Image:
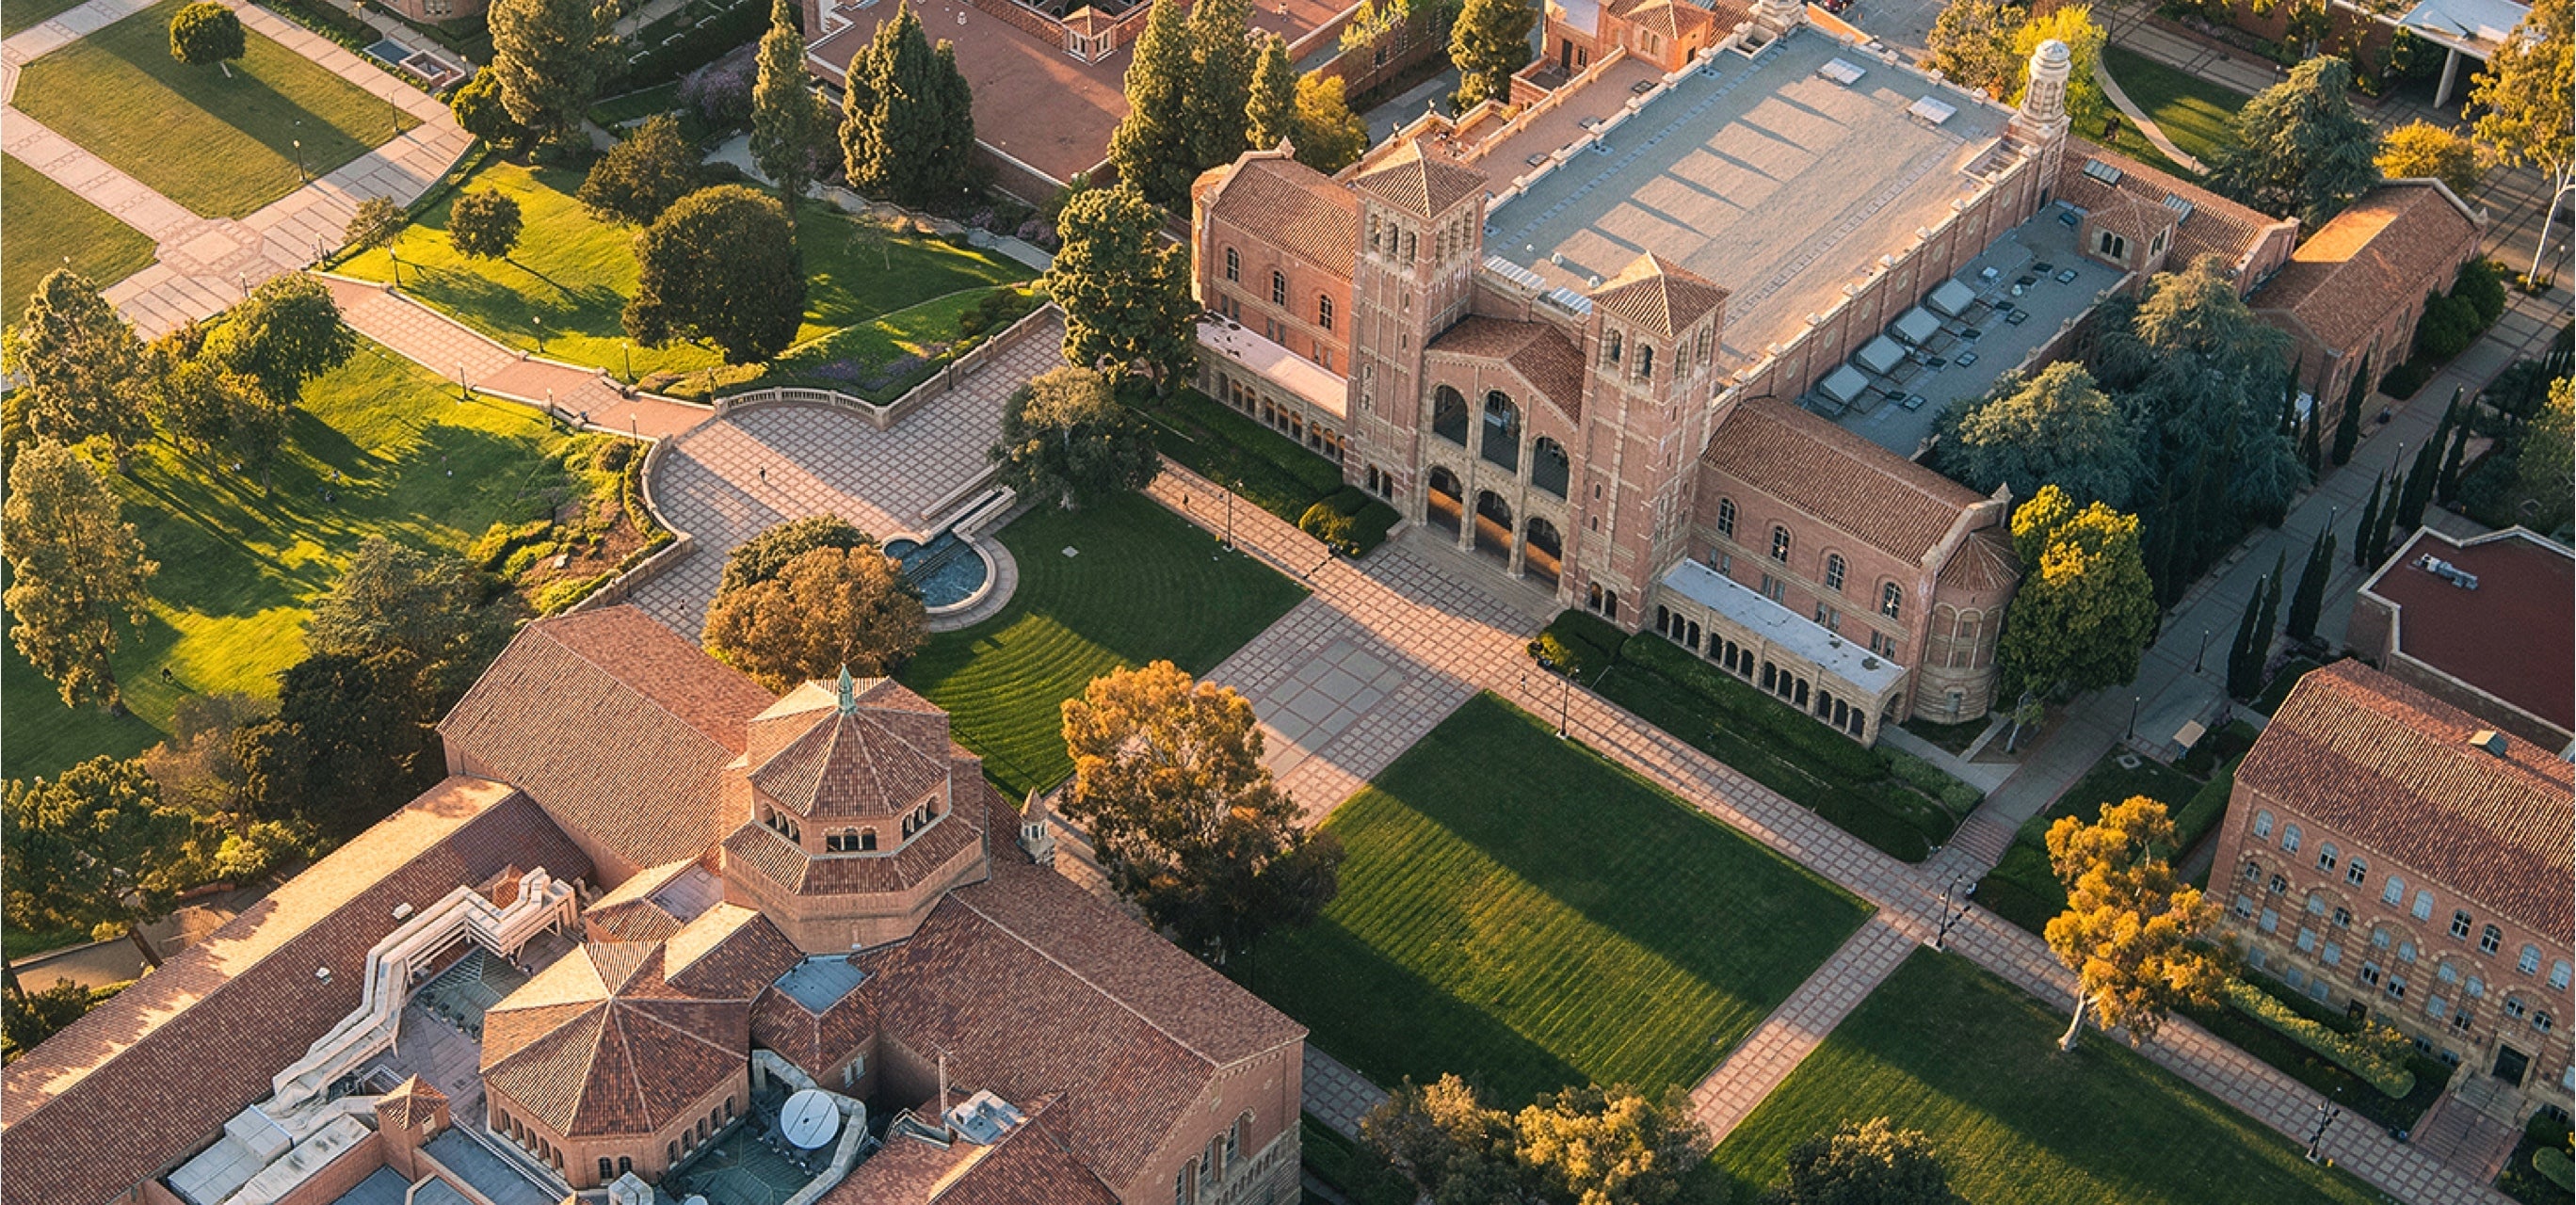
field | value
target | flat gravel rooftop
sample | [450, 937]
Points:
[1774, 181]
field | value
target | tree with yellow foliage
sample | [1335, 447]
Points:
[2132, 928]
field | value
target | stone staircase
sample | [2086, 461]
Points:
[2471, 1128]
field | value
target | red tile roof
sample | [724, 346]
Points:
[2513, 637]
[412, 1105]
[1837, 477]
[2217, 226]
[166, 1062]
[2367, 755]
[603, 1043]
[1657, 295]
[617, 726]
[1033, 1164]
[875, 761]
[1985, 564]
[1419, 182]
[754, 848]
[1540, 353]
[2381, 254]
[1303, 211]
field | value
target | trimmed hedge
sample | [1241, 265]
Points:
[2377, 1054]
[1268, 469]
[1341, 1164]
[1579, 643]
[1349, 521]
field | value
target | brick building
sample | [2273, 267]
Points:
[2354, 290]
[652, 907]
[2487, 625]
[2390, 853]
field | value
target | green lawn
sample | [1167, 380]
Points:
[2192, 111]
[2021, 888]
[48, 223]
[1947, 1049]
[1523, 912]
[1144, 585]
[20, 15]
[238, 570]
[223, 146]
[571, 275]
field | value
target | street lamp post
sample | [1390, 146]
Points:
[2204, 651]
[1564, 702]
[1229, 514]
[2134, 700]
[1949, 915]
[300, 178]
[2326, 1116]
[540, 321]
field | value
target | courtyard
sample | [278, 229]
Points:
[50, 227]
[1527, 914]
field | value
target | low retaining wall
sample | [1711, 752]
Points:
[886, 415]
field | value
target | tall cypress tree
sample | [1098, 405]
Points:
[2244, 669]
[2309, 602]
[2310, 449]
[2271, 620]
[2369, 521]
[1221, 42]
[1152, 149]
[2447, 486]
[954, 159]
[2419, 482]
[787, 120]
[2348, 425]
[1270, 113]
[2385, 527]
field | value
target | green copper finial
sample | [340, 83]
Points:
[849, 693]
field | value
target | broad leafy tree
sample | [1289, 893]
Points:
[759, 558]
[2073, 24]
[1329, 136]
[1581, 1146]
[1168, 781]
[1125, 292]
[484, 223]
[425, 608]
[1270, 114]
[2420, 149]
[80, 367]
[790, 128]
[2086, 608]
[206, 32]
[77, 573]
[1447, 1144]
[2299, 150]
[199, 401]
[1869, 1163]
[480, 111]
[2133, 930]
[827, 609]
[28, 1018]
[288, 332]
[2544, 468]
[349, 738]
[378, 223]
[96, 848]
[1489, 43]
[1972, 43]
[2524, 103]
[2057, 428]
[550, 59]
[1067, 440]
[642, 176]
[1155, 149]
[720, 266]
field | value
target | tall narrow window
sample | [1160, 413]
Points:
[1610, 347]
[1278, 288]
[1726, 516]
[1834, 572]
[1891, 601]
[1645, 361]
[1780, 544]
[1324, 312]
[1233, 265]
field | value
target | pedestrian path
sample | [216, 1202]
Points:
[1337, 1095]
[1793, 1030]
[2147, 126]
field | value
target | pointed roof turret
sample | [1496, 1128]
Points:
[1659, 296]
[1418, 182]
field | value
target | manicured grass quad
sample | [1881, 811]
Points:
[1947, 1049]
[571, 274]
[2192, 111]
[239, 572]
[48, 224]
[223, 146]
[1520, 911]
[18, 15]
[1142, 585]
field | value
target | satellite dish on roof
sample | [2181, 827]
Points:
[808, 1119]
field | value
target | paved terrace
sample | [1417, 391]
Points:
[1779, 184]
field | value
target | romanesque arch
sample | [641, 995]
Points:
[1449, 416]
[1501, 441]
[1550, 466]
[1441, 498]
[1493, 524]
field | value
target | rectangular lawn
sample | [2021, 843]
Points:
[1947, 1049]
[20, 15]
[571, 274]
[48, 223]
[1521, 911]
[1141, 584]
[223, 146]
[2193, 112]
[238, 571]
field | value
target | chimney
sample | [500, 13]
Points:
[2490, 740]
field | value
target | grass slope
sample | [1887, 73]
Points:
[1145, 585]
[1525, 913]
[571, 275]
[223, 146]
[1947, 1049]
[238, 571]
[2192, 111]
[49, 223]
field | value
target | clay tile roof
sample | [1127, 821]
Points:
[1157, 1025]
[1673, 20]
[1986, 565]
[1840, 478]
[1539, 352]
[2134, 218]
[754, 849]
[2389, 765]
[1417, 181]
[1656, 295]
[600, 1043]
[224, 1016]
[616, 725]
[2382, 253]
[1030, 1165]
[874, 761]
[2217, 226]
[411, 1105]
[729, 952]
[1302, 210]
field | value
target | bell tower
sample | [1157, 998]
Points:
[1652, 349]
[2041, 121]
[1422, 230]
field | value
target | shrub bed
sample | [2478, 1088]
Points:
[1579, 643]
[2316, 1069]
[1345, 1168]
[2539, 1171]
[1267, 468]
[2375, 1054]
[2022, 889]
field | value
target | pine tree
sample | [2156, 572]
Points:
[1488, 44]
[1329, 136]
[787, 119]
[2446, 488]
[2419, 482]
[1125, 293]
[903, 115]
[2309, 602]
[2386, 527]
[550, 58]
[2271, 620]
[77, 573]
[1221, 42]
[1271, 110]
[2244, 665]
[2348, 424]
[1152, 149]
[955, 154]
[80, 367]
[2369, 520]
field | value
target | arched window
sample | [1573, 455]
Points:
[2356, 870]
[1408, 246]
[1834, 568]
[1324, 312]
[1610, 347]
[2529, 963]
[2460, 923]
[607, 1170]
[1726, 517]
[1891, 601]
[2327, 856]
[2263, 825]
[1780, 544]
[2394, 891]
[1233, 265]
[1645, 361]
[2490, 939]
[1549, 466]
[1449, 415]
[2560, 974]
[2290, 839]
[625, 1164]
[867, 839]
[1240, 1134]
[1278, 287]
[1502, 441]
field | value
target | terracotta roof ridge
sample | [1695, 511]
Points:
[1087, 981]
[640, 693]
[646, 1014]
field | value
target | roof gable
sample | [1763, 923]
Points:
[1540, 353]
[1882, 499]
[1305, 212]
[2381, 254]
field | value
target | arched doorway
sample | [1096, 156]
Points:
[1449, 415]
[1542, 552]
[1441, 500]
[1549, 466]
[1494, 525]
[1502, 439]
